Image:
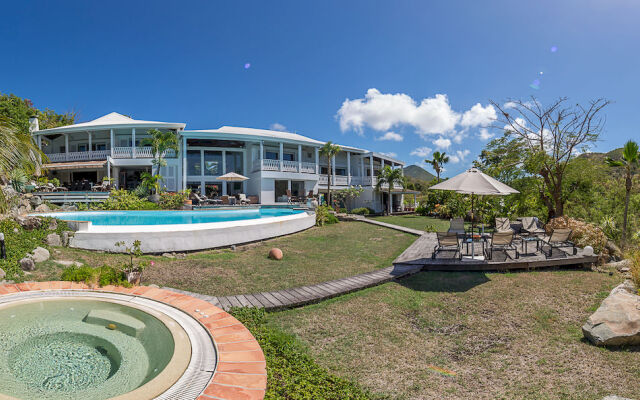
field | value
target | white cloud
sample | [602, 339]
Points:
[459, 156]
[485, 134]
[382, 111]
[457, 138]
[421, 151]
[509, 104]
[478, 116]
[442, 143]
[396, 137]
[278, 127]
[390, 154]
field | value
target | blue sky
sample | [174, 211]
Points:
[413, 68]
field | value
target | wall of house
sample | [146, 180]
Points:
[268, 191]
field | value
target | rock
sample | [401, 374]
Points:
[68, 207]
[2, 274]
[168, 255]
[43, 208]
[617, 321]
[27, 196]
[68, 263]
[66, 238]
[40, 254]
[614, 397]
[614, 250]
[53, 239]
[29, 223]
[619, 265]
[181, 255]
[9, 192]
[35, 201]
[275, 254]
[53, 224]
[27, 264]
[153, 285]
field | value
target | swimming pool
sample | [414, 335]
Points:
[172, 217]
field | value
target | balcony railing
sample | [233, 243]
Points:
[79, 156]
[287, 166]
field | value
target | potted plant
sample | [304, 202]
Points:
[133, 271]
[152, 182]
[187, 197]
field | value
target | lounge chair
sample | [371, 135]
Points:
[242, 198]
[530, 226]
[200, 200]
[447, 241]
[292, 199]
[456, 226]
[225, 200]
[501, 241]
[503, 225]
[559, 238]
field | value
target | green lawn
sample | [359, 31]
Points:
[507, 336]
[313, 256]
[415, 222]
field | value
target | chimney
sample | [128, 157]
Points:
[33, 124]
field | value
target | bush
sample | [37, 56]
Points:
[583, 233]
[422, 209]
[361, 211]
[291, 371]
[634, 268]
[102, 276]
[342, 210]
[172, 201]
[325, 216]
[121, 199]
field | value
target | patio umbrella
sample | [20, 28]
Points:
[473, 181]
[232, 177]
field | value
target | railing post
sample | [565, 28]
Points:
[111, 137]
[90, 148]
[317, 160]
[133, 142]
[299, 158]
[348, 168]
[371, 165]
[281, 154]
[66, 147]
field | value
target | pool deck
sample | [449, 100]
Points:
[241, 367]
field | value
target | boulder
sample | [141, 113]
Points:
[9, 192]
[614, 397]
[619, 265]
[66, 238]
[53, 224]
[168, 255]
[29, 223]
[275, 254]
[68, 263]
[68, 207]
[43, 208]
[53, 239]
[27, 264]
[35, 201]
[614, 250]
[40, 254]
[617, 321]
[2, 274]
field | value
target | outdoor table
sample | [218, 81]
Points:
[525, 240]
[472, 238]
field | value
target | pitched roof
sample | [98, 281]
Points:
[264, 133]
[113, 120]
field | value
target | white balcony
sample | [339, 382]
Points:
[79, 156]
[287, 166]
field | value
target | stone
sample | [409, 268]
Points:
[614, 397]
[9, 191]
[29, 223]
[181, 255]
[66, 238]
[53, 239]
[40, 254]
[27, 196]
[68, 207]
[153, 285]
[68, 263]
[43, 208]
[27, 264]
[617, 321]
[275, 254]
[2, 274]
[618, 265]
[35, 201]
[168, 255]
[614, 250]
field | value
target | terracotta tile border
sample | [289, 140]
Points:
[241, 371]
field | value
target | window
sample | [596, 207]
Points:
[341, 171]
[271, 155]
[289, 157]
[82, 147]
[193, 162]
[213, 163]
[234, 188]
[234, 162]
[99, 146]
[324, 170]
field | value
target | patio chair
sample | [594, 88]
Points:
[560, 237]
[501, 241]
[292, 199]
[200, 200]
[242, 198]
[530, 226]
[225, 200]
[447, 241]
[503, 225]
[456, 226]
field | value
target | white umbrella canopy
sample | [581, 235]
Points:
[232, 177]
[473, 181]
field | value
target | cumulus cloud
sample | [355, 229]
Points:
[390, 154]
[277, 127]
[485, 134]
[459, 156]
[421, 151]
[478, 116]
[396, 137]
[442, 143]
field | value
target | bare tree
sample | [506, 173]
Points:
[550, 137]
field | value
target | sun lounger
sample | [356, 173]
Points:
[503, 225]
[560, 237]
[447, 241]
[501, 241]
[530, 226]
[456, 226]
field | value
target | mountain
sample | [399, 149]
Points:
[416, 172]
[616, 154]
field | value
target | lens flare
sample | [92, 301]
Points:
[247, 66]
[535, 84]
[441, 371]
[554, 49]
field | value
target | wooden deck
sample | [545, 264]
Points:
[420, 252]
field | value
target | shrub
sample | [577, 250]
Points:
[102, 276]
[325, 216]
[583, 233]
[422, 209]
[634, 268]
[361, 211]
[342, 210]
[172, 201]
[291, 371]
[121, 199]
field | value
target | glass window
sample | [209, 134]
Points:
[193, 162]
[288, 157]
[99, 146]
[234, 162]
[271, 155]
[324, 170]
[341, 171]
[213, 190]
[234, 188]
[213, 163]
[82, 147]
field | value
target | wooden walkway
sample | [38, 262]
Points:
[391, 226]
[419, 254]
[299, 296]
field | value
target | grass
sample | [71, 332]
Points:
[313, 256]
[468, 335]
[415, 222]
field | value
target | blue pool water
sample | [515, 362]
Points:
[171, 217]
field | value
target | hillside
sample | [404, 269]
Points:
[416, 172]
[600, 157]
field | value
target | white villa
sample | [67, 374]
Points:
[274, 161]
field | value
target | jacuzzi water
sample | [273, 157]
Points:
[171, 217]
[64, 349]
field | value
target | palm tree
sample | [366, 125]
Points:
[151, 182]
[391, 177]
[329, 150]
[630, 160]
[438, 161]
[160, 143]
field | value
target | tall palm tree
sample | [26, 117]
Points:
[18, 150]
[630, 160]
[438, 161]
[391, 177]
[160, 142]
[329, 150]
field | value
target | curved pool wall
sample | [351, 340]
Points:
[180, 369]
[182, 230]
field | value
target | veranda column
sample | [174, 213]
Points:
[317, 160]
[299, 158]
[348, 168]
[66, 147]
[111, 137]
[224, 169]
[371, 166]
[362, 174]
[333, 171]
[133, 142]
[261, 153]
[281, 155]
[90, 148]
[184, 163]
